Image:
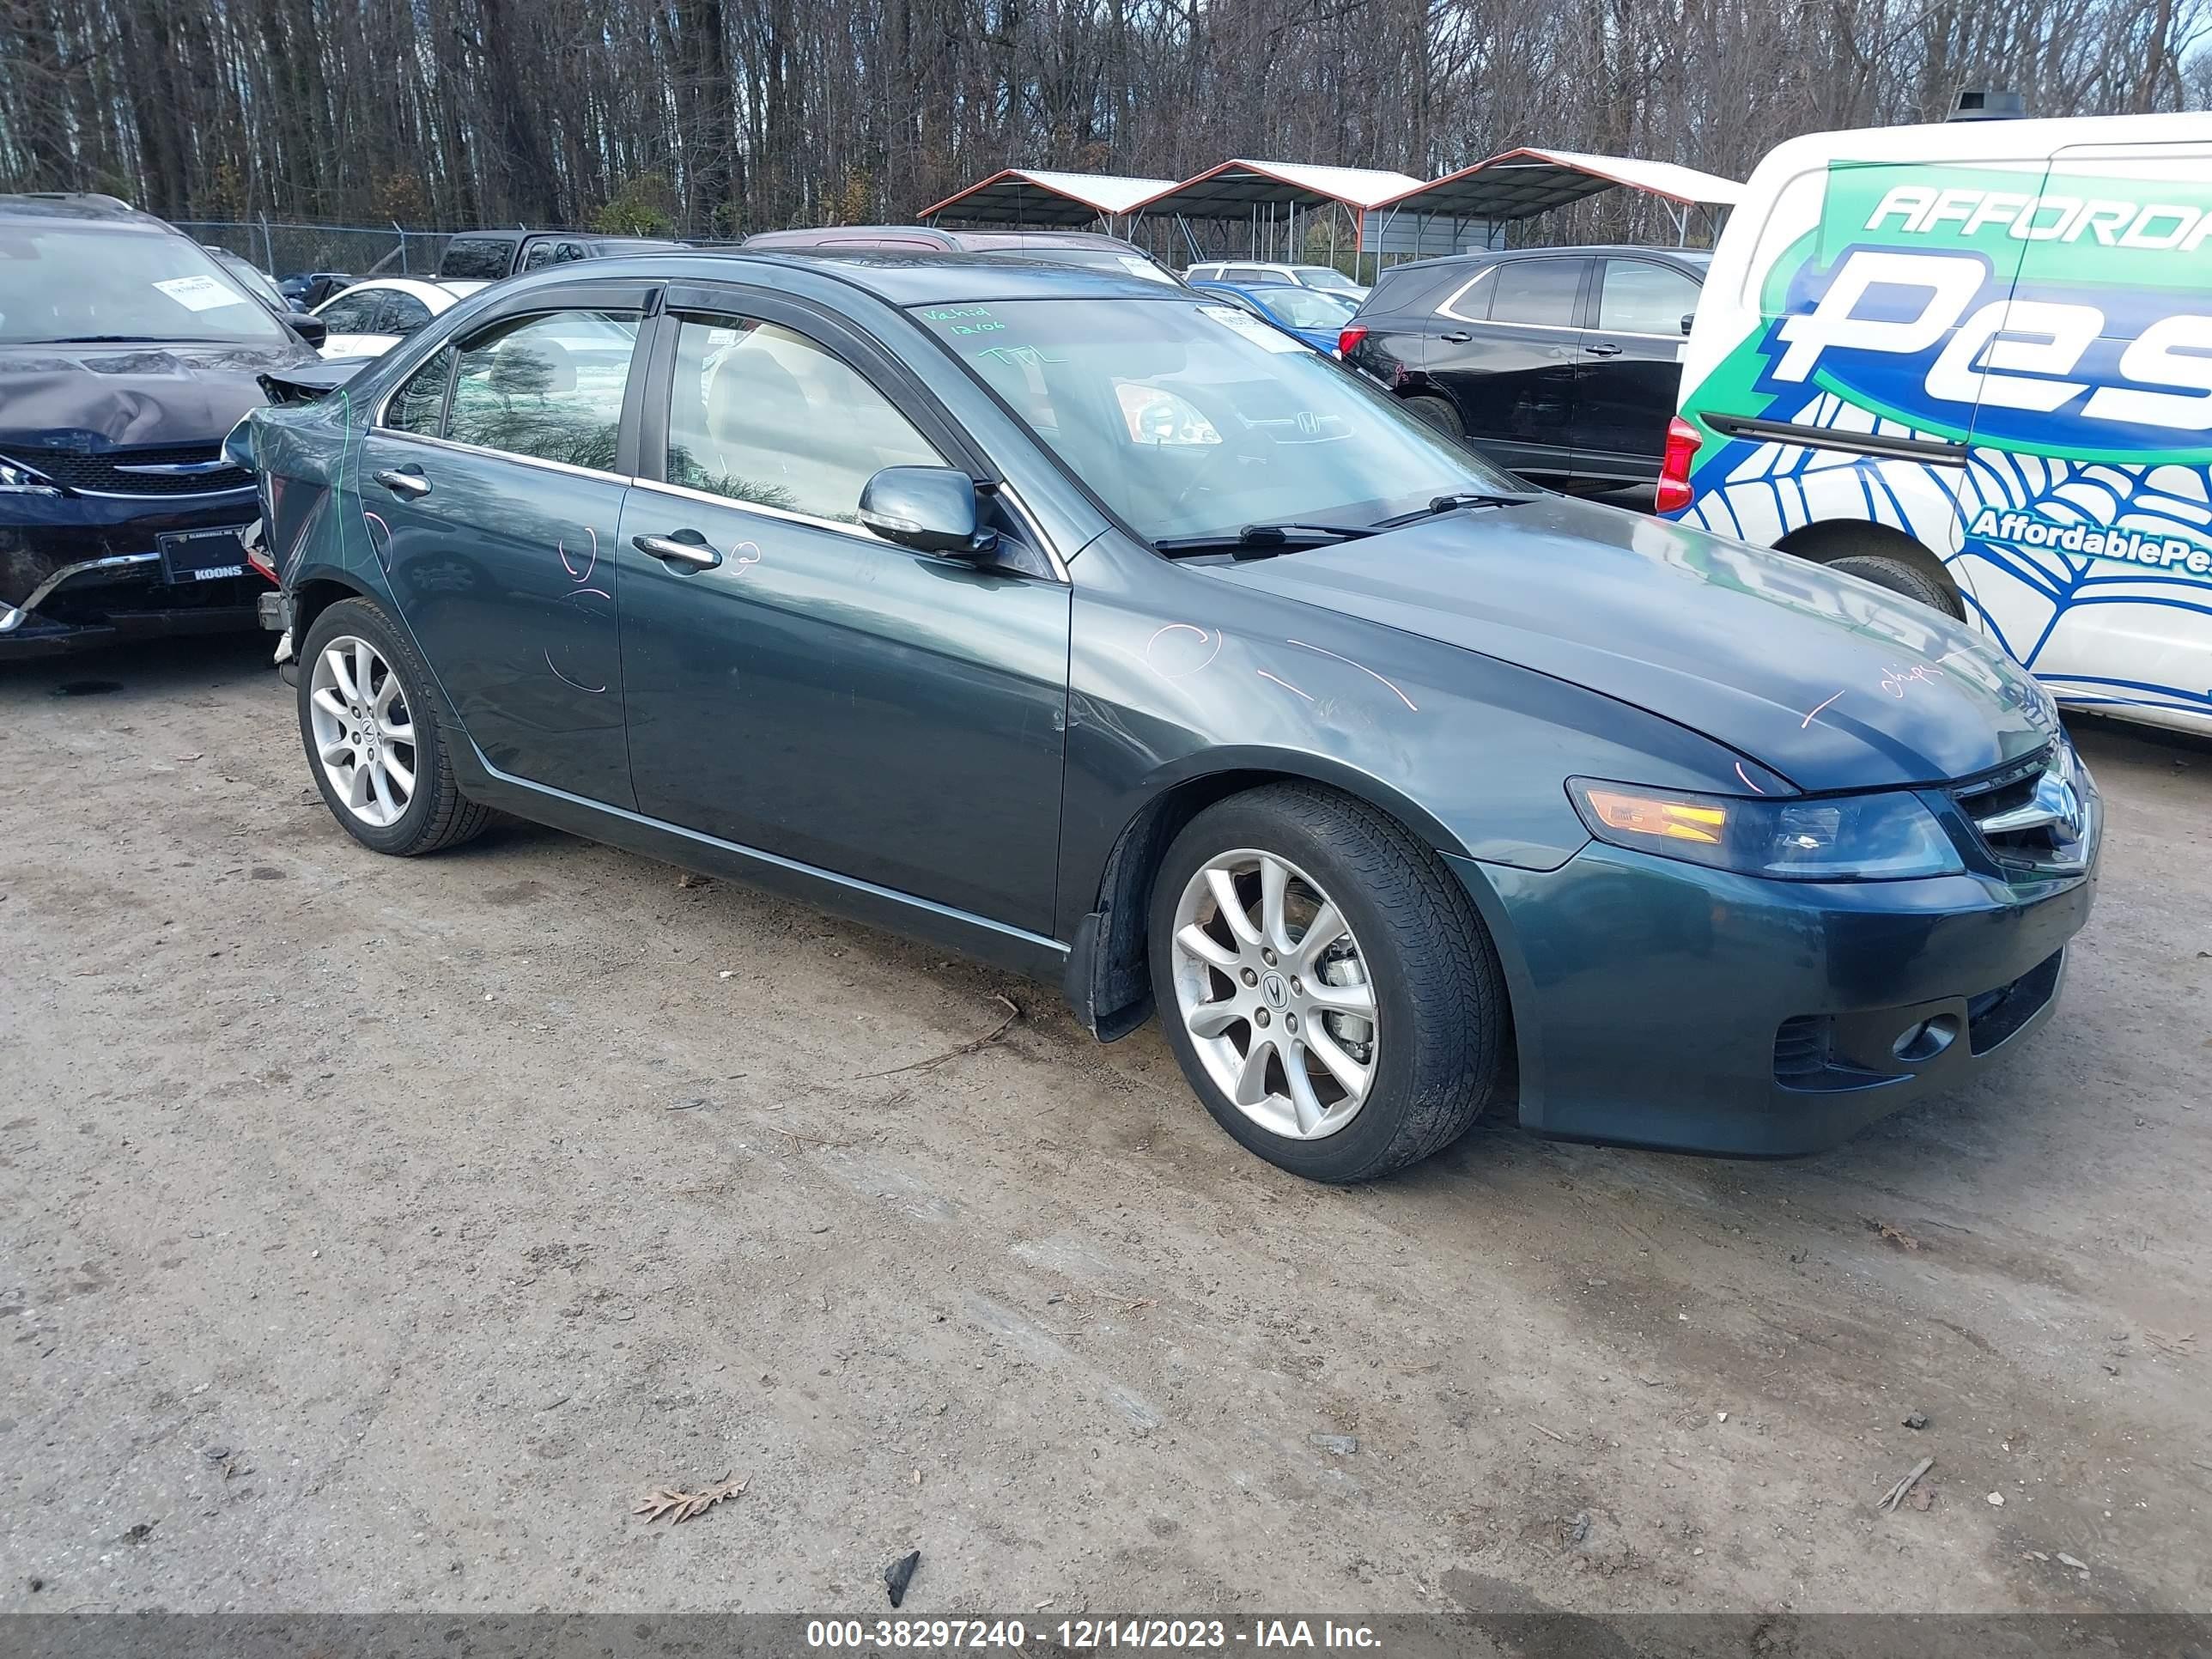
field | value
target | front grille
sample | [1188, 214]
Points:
[2030, 814]
[1800, 1048]
[2005, 790]
[74, 470]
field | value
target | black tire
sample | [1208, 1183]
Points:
[1438, 413]
[1442, 1018]
[437, 814]
[1903, 573]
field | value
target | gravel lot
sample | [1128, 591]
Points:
[377, 1233]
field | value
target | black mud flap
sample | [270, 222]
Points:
[1088, 974]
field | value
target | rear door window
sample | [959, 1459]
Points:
[351, 313]
[548, 386]
[403, 312]
[1640, 296]
[1538, 293]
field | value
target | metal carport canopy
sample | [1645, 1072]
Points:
[1233, 189]
[1018, 195]
[1523, 182]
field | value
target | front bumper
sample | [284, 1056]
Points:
[83, 571]
[1659, 1004]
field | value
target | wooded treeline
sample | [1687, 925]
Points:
[717, 117]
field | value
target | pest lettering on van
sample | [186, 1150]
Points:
[1929, 339]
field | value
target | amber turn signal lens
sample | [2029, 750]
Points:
[1652, 815]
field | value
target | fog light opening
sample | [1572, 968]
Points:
[1924, 1040]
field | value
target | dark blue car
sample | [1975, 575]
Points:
[1098, 629]
[127, 355]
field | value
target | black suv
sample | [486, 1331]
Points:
[1561, 363]
[127, 356]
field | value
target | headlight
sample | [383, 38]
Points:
[14, 477]
[1883, 837]
[238, 447]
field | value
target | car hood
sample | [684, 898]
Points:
[75, 396]
[1830, 681]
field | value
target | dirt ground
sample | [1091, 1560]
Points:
[374, 1234]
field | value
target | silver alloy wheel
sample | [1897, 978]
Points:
[1274, 992]
[364, 731]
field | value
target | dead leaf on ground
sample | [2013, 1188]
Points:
[679, 1506]
[1922, 1498]
[1896, 1236]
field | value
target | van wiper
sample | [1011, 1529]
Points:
[99, 339]
[1452, 503]
[1263, 541]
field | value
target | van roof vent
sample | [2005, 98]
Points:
[1985, 104]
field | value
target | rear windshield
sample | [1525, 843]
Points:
[64, 282]
[477, 258]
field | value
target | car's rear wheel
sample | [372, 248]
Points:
[1438, 413]
[1894, 563]
[1328, 990]
[373, 738]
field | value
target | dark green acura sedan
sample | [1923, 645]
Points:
[1104, 632]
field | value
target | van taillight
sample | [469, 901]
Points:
[1349, 338]
[1682, 441]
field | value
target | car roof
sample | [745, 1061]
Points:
[1006, 239]
[422, 287]
[83, 207]
[901, 279]
[1695, 256]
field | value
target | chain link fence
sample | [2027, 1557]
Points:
[282, 247]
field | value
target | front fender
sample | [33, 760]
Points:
[1177, 677]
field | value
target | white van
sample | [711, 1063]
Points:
[1973, 363]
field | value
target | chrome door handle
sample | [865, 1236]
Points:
[1604, 349]
[670, 551]
[400, 481]
[1457, 336]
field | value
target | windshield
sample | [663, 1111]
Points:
[255, 283]
[1306, 307]
[64, 282]
[1325, 277]
[1189, 419]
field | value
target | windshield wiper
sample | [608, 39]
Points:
[1262, 541]
[99, 339]
[1452, 503]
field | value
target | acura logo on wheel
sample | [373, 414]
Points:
[1278, 993]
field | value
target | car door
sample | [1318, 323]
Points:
[1631, 369]
[1506, 352]
[351, 320]
[799, 685]
[495, 519]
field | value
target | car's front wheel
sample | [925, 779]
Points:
[1328, 990]
[372, 738]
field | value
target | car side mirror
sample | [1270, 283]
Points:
[1688, 317]
[930, 509]
[311, 330]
